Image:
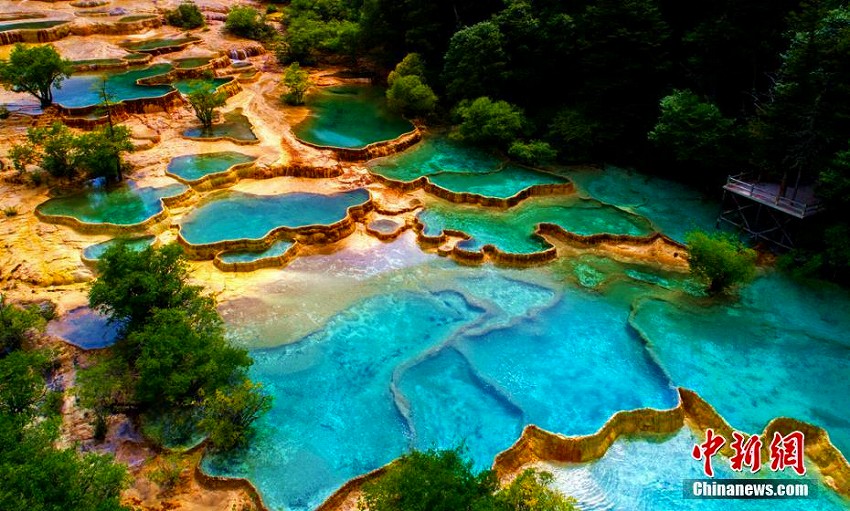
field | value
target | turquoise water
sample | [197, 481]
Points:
[277, 248]
[235, 215]
[430, 354]
[782, 350]
[124, 205]
[645, 475]
[435, 368]
[433, 155]
[672, 207]
[350, 116]
[512, 230]
[30, 25]
[504, 183]
[235, 125]
[186, 87]
[192, 167]
[83, 90]
[460, 168]
[93, 252]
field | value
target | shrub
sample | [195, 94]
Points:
[186, 15]
[721, 259]
[229, 413]
[297, 81]
[488, 122]
[205, 99]
[15, 322]
[532, 152]
[408, 92]
[247, 22]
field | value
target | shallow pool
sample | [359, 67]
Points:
[231, 215]
[350, 116]
[83, 90]
[512, 230]
[125, 204]
[192, 167]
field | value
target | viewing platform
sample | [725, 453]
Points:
[766, 211]
[800, 202]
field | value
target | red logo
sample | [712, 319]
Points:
[785, 452]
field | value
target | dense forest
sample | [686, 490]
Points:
[695, 91]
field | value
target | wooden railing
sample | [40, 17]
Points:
[771, 197]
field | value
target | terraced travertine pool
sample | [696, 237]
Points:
[381, 347]
[123, 205]
[462, 169]
[350, 116]
[235, 215]
[193, 167]
[81, 90]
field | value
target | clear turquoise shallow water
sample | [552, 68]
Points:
[233, 215]
[782, 350]
[192, 167]
[123, 205]
[646, 475]
[512, 230]
[82, 90]
[234, 125]
[94, 252]
[350, 116]
[278, 248]
[460, 168]
[672, 207]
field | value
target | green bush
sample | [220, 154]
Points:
[444, 481]
[720, 259]
[204, 100]
[15, 323]
[408, 93]
[245, 21]
[186, 15]
[487, 122]
[297, 81]
[533, 152]
[228, 414]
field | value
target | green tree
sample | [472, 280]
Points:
[429, 481]
[35, 70]
[33, 473]
[533, 152]
[57, 147]
[182, 358]
[204, 100]
[229, 413]
[327, 26]
[575, 134]
[245, 21]
[186, 15]
[22, 384]
[488, 122]
[694, 133]
[530, 491]
[720, 259]
[100, 151]
[297, 81]
[131, 285]
[475, 62]
[408, 93]
[15, 323]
